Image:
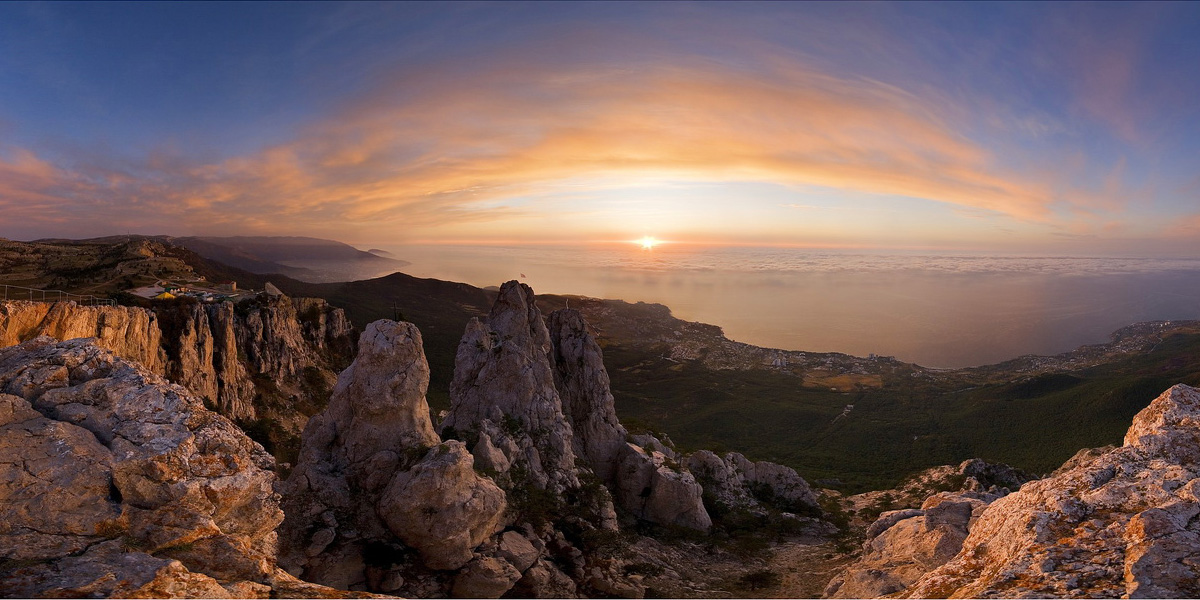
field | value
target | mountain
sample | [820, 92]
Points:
[303, 258]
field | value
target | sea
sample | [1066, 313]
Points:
[942, 310]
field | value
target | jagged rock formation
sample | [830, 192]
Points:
[1115, 523]
[740, 483]
[644, 479]
[584, 389]
[115, 482]
[503, 393]
[373, 475]
[130, 333]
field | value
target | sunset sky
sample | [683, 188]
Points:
[1025, 128]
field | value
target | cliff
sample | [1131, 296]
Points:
[268, 363]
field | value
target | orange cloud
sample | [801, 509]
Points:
[445, 146]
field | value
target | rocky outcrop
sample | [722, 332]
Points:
[1115, 523]
[235, 391]
[115, 482]
[373, 476]
[740, 483]
[503, 392]
[376, 425]
[444, 510]
[584, 388]
[130, 333]
[903, 545]
[326, 328]
[657, 492]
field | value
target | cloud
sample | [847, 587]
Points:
[454, 142]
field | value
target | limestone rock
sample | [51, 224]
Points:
[104, 453]
[442, 508]
[654, 491]
[517, 550]
[584, 387]
[131, 333]
[741, 483]
[503, 386]
[235, 391]
[544, 580]
[109, 570]
[485, 577]
[904, 545]
[1120, 524]
[376, 424]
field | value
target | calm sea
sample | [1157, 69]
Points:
[938, 310]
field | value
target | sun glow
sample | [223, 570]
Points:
[647, 242]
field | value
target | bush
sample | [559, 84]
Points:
[759, 580]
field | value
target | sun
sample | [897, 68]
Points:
[648, 242]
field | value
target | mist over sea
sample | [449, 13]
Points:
[937, 310]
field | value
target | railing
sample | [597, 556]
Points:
[16, 292]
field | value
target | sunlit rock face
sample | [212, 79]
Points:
[115, 482]
[1116, 523]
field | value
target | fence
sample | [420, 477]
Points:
[16, 292]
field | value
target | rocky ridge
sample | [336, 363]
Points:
[1116, 522]
[514, 499]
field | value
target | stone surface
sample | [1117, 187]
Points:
[903, 545]
[442, 508]
[485, 577]
[654, 491]
[584, 387]
[131, 333]
[116, 482]
[1121, 523]
[503, 386]
[375, 426]
[741, 483]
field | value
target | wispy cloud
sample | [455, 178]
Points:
[449, 143]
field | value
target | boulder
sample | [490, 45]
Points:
[485, 577]
[656, 492]
[442, 508]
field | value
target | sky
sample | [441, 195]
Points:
[1020, 128]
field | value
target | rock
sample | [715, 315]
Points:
[376, 425]
[517, 550]
[1120, 524]
[903, 545]
[584, 387]
[739, 482]
[544, 580]
[503, 386]
[235, 391]
[130, 333]
[442, 508]
[654, 491]
[108, 570]
[485, 577]
[113, 472]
